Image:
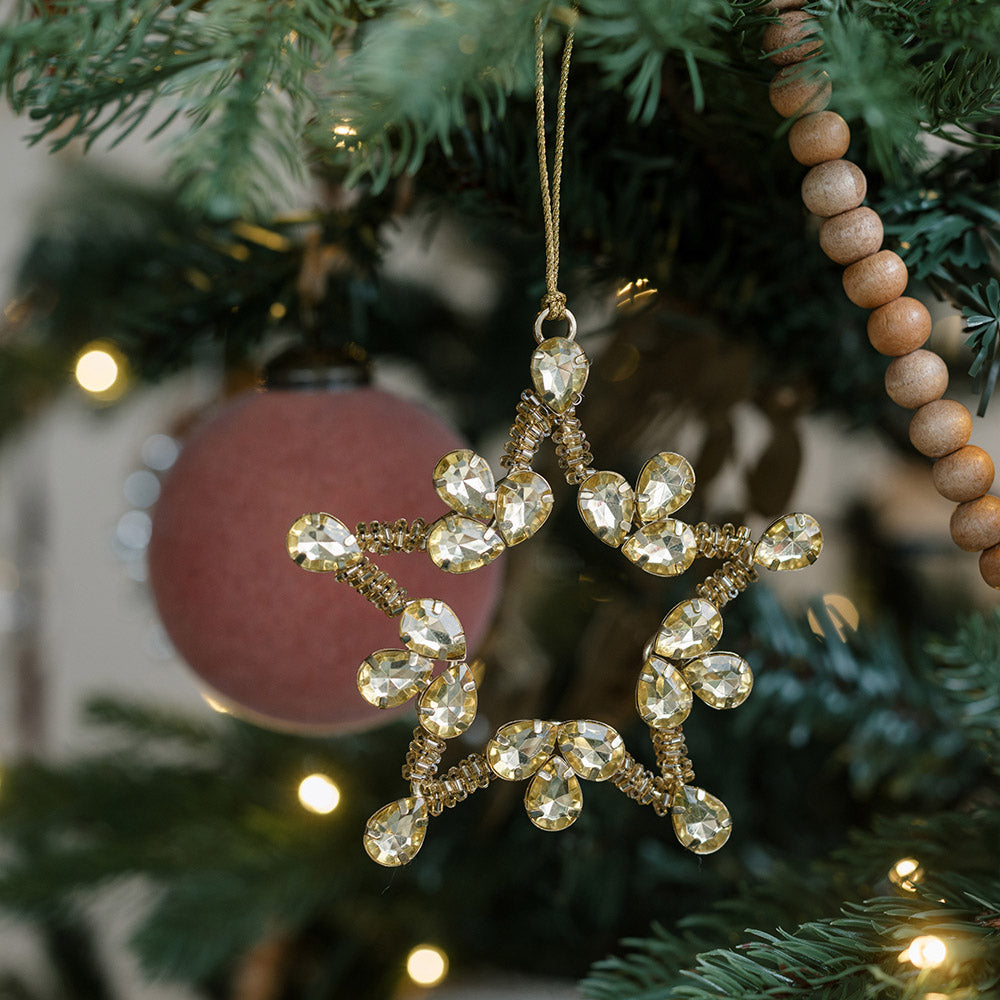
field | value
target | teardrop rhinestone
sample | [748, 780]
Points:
[792, 542]
[520, 748]
[722, 680]
[429, 627]
[662, 695]
[553, 799]
[663, 548]
[701, 821]
[459, 544]
[689, 629]
[396, 832]
[524, 501]
[606, 504]
[464, 481]
[559, 370]
[449, 704]
[665, 485]
[320, 543]
[592, 749]
[389, 677]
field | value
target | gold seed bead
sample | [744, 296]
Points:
[900, 326]
[963, 475]
[940, 427]
[399, 536]
[916, 378]
[728, 581]
[456, 784]
[787, 41]
[375, 586]
[532, 425]
[642, 786]
[819, 137]
[794, 92]
[989, 566]
[975, 525]
[572, 449]
[848, 237]
[423, 756]
[876, 280]
[671, 756]
[833, 187]
[721, 541]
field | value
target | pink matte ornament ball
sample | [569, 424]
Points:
[282, 646]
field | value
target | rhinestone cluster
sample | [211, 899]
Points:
[680, 661]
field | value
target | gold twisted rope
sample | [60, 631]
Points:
[456, 784]
[671, 756]
[554, 301]
[572, 448]
[642, 786]
[728, 581]
[423, 756]
[721, 541]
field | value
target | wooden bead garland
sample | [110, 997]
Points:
[916, 378]
[874, 278]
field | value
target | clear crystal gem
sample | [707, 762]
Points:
[448, 705]
[593, 749]
[722, 680]
[429, 627]
[464, 481]
[689, 629]
[391, 676]
[553, 799]
[606, 504]
[792, 542]
[559, 370]
[520, 748]
[320, 543]
[665, 484]
[395, 833]
[460, 544]
[702, 823]
[662, 695]
[663, 548]
[524, 501]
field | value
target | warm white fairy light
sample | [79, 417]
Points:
[319, 794]
[427, 965]
[925, 952]
[906, 873]
[96, 370]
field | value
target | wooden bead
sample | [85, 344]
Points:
[900, 326]
[916, 378]
[963, 475]
[875, 280]
[989, 566]
[819, 137]
[940, 427]
[851, 235]
[976, 525]
[833, 187]
[787, 41]
[795, 91]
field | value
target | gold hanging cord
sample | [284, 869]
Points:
[554, 300]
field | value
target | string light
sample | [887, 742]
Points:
[100, 370]
[906, 873]
[925, 952]
[427, 965]
[318, 794]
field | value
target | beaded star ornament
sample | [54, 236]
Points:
[680, 660]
